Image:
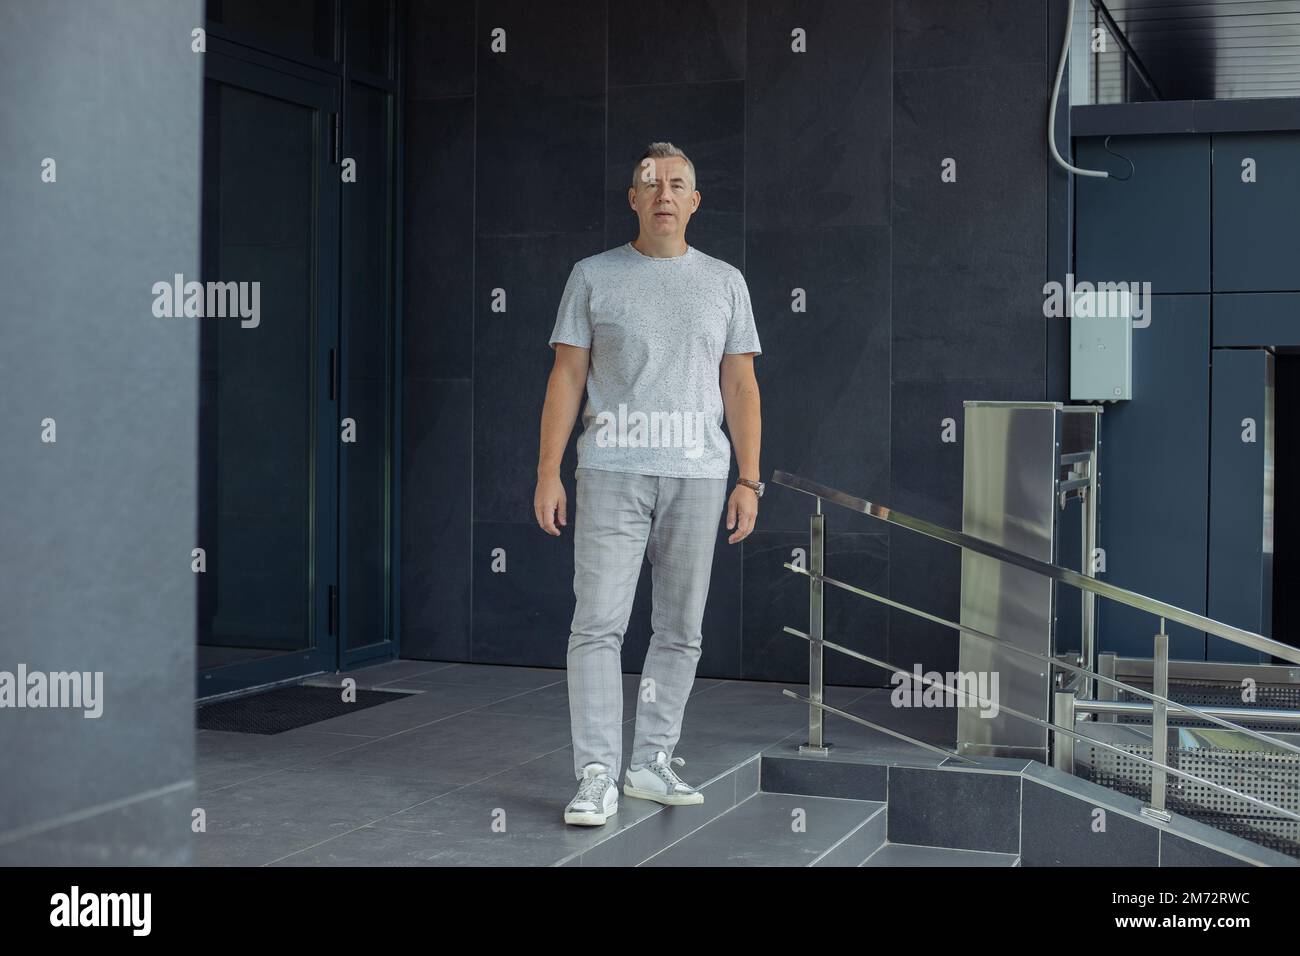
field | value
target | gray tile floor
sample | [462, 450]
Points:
[475, 766]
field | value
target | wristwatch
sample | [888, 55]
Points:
[758, 486]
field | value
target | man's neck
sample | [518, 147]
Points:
[665, 248]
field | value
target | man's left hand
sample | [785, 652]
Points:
[742, 507]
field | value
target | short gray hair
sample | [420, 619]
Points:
[662, 151]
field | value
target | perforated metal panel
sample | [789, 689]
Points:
[1214, 754]
[1236, 769]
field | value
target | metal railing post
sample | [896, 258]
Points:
[1159, 725]
[1088, 611]
[1063, 745]
[1105, 691]
[816, 677]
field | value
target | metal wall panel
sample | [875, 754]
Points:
[1009, 498]
[1241, 499]
[1255, 221]
[1154, 472]
[1153, 226]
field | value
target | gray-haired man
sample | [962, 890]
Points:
[663, 339]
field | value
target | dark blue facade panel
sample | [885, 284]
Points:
[1241, 547]
[1256, 208]
[1155, 480]
[1154, 225]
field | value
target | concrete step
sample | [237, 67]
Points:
[911, 854]
[782, 829]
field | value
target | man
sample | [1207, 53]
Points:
[663, 339]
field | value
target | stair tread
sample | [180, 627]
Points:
[911, 854]
[759, 832]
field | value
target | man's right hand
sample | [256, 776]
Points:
[549, 504]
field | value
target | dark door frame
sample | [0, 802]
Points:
[321, 94]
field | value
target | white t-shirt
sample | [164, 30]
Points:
[657, 329]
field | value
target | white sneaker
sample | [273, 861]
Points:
[657, 781]
[596, 800]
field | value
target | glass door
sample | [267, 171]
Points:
[267, 597]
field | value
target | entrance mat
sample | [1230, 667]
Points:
[285, 708]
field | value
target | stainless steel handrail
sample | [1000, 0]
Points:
[1160, 703]
[1080, 705]
[1272, 715]
[1172, 612]
[1200, 713]
[1156, 766]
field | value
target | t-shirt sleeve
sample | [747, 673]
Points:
[573, 320]
[742, 333]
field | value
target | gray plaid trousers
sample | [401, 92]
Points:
[620, 518]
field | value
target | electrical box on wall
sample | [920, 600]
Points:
[1101, 346]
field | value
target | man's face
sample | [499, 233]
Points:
[664, 196]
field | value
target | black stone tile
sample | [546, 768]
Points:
[966, 810]
[708, 41]
[1060, 829]
[824, 372]
[540, 119]
[436, 532]
[930, 34]
[818, 122]
[554, 48]
[440, 46]
[437, 643]
[522, 614]
[1175, 851]
[926, 480]
[823, 778]
[437, 304]
[926, 432]
[969, 256]
[538, 165]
